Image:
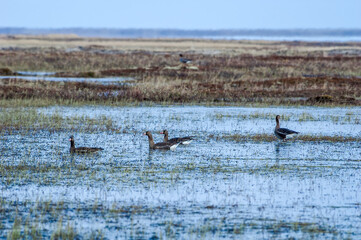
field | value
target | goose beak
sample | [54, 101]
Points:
[161, 132]
[144, 134]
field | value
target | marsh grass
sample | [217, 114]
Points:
[272, 138]
[73, 174]
[25, 119]
[274, 77]
[275, 228]
[47, 216]
[38, 223]
[64, 232]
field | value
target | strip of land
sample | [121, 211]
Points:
[222, 72]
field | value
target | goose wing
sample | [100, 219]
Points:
[174, 140]
[285, 131]
[166, 145]
[181, 139]
[188, 138]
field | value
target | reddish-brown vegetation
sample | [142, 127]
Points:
[158, 77]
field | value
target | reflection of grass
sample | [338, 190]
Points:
[271, 138]
[273, 227]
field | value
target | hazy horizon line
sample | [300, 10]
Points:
[184, 33]
[187, 29]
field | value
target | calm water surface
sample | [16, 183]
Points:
[48, 76]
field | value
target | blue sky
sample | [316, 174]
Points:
[182, 14]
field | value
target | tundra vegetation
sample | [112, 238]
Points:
[222, 72]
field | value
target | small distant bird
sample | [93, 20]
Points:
[282, 133]
[184, 60]
[73, 149]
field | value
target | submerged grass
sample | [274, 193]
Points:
[272, 138]
[66, 172]
[25, 119]
[348, 118]
[64, 219]
[273, 227]
[67, 232]
[37, 223]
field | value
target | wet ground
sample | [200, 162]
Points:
[212, 188]
[49, 76]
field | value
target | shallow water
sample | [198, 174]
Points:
[212, 188]
[201, 120]
[47, 76]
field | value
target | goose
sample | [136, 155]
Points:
[182, 140]
[161, 145]
[282, 133]
[184, 60]
[73, 149]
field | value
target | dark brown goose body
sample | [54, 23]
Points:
[282, 133]
[182, 140]
[81, 150]
[161, 145]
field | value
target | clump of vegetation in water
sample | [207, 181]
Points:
[271, 138]
[20, 119]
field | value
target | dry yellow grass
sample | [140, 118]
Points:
[229, 47]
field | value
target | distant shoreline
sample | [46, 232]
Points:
[226, 34]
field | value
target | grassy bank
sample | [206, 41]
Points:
[17, 92]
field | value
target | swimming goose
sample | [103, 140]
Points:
[282, 133]
[73, 149]
[161, 145]
[182, 140]
[184, 60]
